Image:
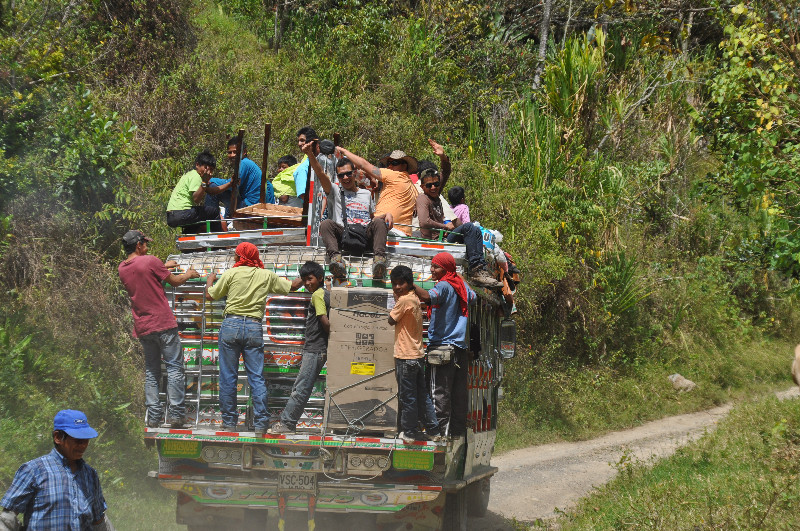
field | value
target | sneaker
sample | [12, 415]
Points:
[407, 439]
[481, 277]
[337, 267]
[179, 424]
[153, 423]
[279, 428]
[438, 438]
[379, 268]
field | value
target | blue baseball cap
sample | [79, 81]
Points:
[74, 423]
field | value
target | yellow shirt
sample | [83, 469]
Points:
[408, 330]
[398, 197]
[247, 289]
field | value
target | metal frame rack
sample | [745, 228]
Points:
[199, 320]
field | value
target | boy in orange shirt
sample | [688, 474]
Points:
[415, 403]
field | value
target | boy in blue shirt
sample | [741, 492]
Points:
[249, 183]
[448, 304]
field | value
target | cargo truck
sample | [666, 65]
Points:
[345, 461]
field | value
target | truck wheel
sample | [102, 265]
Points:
[455, 511]
[478, 497]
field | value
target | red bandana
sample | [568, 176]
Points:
[448, 263]
[248, 256]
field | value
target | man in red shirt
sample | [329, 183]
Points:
[155, 326]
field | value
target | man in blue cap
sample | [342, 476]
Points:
[58, 491]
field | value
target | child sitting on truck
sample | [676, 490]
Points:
[412, 392]
[315, 350]
[456, 197]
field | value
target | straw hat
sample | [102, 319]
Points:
[401, 155]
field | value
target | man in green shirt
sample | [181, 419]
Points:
[247, 285]
[185, 208]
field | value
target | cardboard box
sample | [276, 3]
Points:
[361, 360]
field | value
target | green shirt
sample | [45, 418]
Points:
[181, 198]
[247, 289]
[283, 183]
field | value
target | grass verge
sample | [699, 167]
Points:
[545, 404]
[743, 475]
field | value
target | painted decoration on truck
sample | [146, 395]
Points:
[382, 499]
[185, 449]
[404, 460]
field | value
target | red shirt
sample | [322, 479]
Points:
[142, 277]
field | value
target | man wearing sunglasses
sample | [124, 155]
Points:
[430, 212]
[58, 490]
[398, 197]
[359, 208]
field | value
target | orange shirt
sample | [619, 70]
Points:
[398, 197]
[408, 330]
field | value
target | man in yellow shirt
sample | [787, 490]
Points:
[247, 285]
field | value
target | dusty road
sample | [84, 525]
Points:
[532, 482]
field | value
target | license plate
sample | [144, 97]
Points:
[297, 482]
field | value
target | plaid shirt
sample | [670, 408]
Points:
[53, 498]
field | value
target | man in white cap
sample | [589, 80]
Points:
[58, 491]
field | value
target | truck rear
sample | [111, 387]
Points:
[346, 457]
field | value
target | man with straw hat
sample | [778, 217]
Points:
[58, 490]
[398, 197]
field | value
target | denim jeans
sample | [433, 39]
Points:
[224, 198]
[310, 368]
[164, 345]
[472, 237]
[412, 393]
[241, 335]
[449, 387]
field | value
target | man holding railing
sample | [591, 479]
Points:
[246, 286]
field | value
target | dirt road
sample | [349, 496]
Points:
[532, 482]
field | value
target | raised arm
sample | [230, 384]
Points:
[324, 180]
[360, 163]
[444, 161]
[178, 280]
[423, 294]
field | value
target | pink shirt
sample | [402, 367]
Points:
[142, 278]
[462, 212]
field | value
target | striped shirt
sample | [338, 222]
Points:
[54, 498]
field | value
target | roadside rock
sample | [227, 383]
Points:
[679, 383]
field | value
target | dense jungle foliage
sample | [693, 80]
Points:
[644, 174]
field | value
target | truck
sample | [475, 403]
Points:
[345, 464]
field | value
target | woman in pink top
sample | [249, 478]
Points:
[456, 197]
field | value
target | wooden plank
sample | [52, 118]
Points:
[235, 180]
[264, 163]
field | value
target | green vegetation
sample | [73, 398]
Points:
[743, 475]
[647, 190]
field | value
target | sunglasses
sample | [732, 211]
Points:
[395, 162]
[432, 185]
[346, 173]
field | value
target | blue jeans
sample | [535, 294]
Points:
[310, 368]
[472, 237]
[166, 345]
[224, 198]
[415, 402]
[242, 335]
